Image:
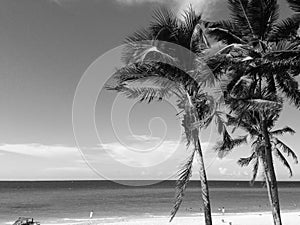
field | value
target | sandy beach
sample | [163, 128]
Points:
[288, 218]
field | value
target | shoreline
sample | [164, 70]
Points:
[249, 218]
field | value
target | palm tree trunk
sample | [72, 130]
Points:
[271, 176]
[204, 186]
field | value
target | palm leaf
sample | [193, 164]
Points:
[187, 28]
[227, 143]
[254, 170]
[262, 15]
[239, 15]
[246, 161]
[225, 31]
[295, 5]
[283, 131]
[144, 94]
[164, 24]
[240, 105]
[289, 86]
[258, 104]
[199, 41]
[283, 160]
[286, 149]
[286, 29]
[186, 123]
[184, 176]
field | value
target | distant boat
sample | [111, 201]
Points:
[25, 221]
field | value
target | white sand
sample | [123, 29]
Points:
[290, 218]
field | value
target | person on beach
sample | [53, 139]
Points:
[91, 216]
[223, 211]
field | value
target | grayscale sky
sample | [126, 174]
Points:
[46, 47]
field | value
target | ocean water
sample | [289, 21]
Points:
[69, 202]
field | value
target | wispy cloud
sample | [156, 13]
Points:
[146, 138]
[141, 154]
[139, 1]
[39, 161]
[39, 150]
[204, 6]
[61, 2]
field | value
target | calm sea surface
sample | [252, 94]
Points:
[68, 202]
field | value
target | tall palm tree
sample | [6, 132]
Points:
[264, 54]
[176, 73]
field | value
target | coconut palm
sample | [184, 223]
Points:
[264, 54]
[156, 69]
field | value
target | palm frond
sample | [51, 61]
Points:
[235, 49]
[254, 170]
[152, 53]
[244, 121]
[188, 121]
[225, 31]
[164, 25]
[286, 149]
[138, 36]
[239, 15]
[184, 176]
[258, 104]
[240, 105]
[295, 5]
[290, 87]
[283, 160]
[246, 161]
[286, 29]
[283, 131]
[262, 15]
[187, 28]
[141, 70]
[144, 94]
[199, 41]
[228, 143]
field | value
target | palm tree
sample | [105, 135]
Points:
[176, 73]
[262, 53]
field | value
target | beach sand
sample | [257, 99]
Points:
[290, 218]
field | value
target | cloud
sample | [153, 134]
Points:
[138, 1]
[146, 138]
[35, 161]
[39, 150]
[58, 2]
[204, 6]
[142, 154]
[62, 2]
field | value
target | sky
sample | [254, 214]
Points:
[47, 46]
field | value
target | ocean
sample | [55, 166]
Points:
[70, 202]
